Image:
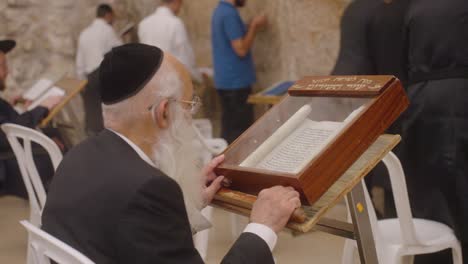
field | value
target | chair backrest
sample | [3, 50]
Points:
[25, 159]
[400, 196]
[44, 247]
[400, 193]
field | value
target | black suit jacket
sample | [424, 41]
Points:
[10, 176]
[28, 119]
[108, 203]
[372, 39]
[354, 57]
[386, 39]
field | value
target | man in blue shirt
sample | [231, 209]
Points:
[234, 69]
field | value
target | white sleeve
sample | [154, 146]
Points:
[264, 232]
[184, 50]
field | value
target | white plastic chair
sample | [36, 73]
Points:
[24, 157]
[399, 240]
[45, 247]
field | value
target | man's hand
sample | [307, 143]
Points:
[51, 102]
[259, 21]
[274, 207]
[243, 45]
[212, 181]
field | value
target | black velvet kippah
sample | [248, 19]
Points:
[125, 70]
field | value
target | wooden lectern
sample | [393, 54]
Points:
[321, 139]
[345, 116]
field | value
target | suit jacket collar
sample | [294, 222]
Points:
[137, 149]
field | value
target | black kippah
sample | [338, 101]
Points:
[125, 70]
[7, 45]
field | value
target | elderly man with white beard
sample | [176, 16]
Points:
[133, 193]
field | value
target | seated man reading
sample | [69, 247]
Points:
[133, 193]
[10, 177]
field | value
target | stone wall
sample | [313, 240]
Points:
[46, 32]
[302, 37]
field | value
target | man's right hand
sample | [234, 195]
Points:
[260, 21]
[51, 102]
[274, 207]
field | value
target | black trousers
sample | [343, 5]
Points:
[237, 114]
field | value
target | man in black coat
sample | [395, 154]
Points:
[10, 176]
[434, 137]
[133, 193]
[386, 38]
[372, 43]
[354, 57]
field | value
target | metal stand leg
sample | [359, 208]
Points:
[362, 225]
[360, 230]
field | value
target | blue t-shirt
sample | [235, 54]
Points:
[230, 71]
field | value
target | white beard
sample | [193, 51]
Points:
[176, 155]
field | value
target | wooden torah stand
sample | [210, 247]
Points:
[314, 134]
[322, 139]
[307, 217]
[349, 184]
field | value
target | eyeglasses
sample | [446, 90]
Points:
[193, 106]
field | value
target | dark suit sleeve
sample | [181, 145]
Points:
[249, 248]
[155, 229]
[28, 119]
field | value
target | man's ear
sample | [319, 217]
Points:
[162, 114]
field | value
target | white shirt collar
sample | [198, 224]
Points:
[164, 10]
[137, 149]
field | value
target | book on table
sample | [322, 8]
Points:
[40, 91]
[64, 86]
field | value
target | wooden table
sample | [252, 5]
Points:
[271, 95]
[260, 98]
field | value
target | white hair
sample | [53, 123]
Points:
[176, 155]
[165, 84]
[173, 152]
